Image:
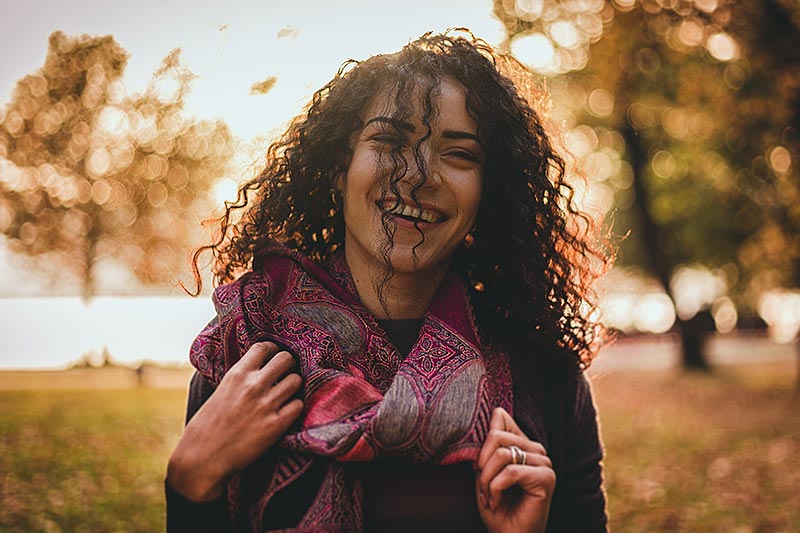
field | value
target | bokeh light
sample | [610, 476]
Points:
[535, 50]
[780, 309]
[722, 47]
[654, 313]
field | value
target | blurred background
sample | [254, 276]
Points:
[124, 126]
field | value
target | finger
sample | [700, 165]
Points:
[503, 457]
[271, 427]
[498, 438]
[280, 365]
[536, 481]
[504, 421]
[257, 356]
[285, 388]
[290, 412]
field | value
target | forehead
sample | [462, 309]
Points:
[448, 99]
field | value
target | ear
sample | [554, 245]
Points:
[338, 182]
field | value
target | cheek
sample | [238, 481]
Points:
[361, 175]
[470, 194]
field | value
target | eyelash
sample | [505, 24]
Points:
[387, 138]
[393, 139]
[463, 154]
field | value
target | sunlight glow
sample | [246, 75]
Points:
[722, 46]
[781, 311]
[225, 191]
[725, 314]
[695, 289]
[780, 159]
[654, 313]
[564, 33]
[535, 50]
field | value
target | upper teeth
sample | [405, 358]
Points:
[414, 212]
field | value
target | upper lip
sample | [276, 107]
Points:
[422, 210]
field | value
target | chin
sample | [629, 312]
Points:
[404, 261]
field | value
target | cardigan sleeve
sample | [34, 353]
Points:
[583, 497]
[184, 515]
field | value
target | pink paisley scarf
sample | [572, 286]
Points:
[364, 401]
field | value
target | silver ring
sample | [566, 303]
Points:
[518, 456]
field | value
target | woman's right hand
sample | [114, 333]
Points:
[250, 410]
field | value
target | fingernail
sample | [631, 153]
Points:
[483, 500]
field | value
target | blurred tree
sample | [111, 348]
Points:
[95, 174]
[676, 110]
[764, 137]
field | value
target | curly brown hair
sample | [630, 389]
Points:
[533, 255]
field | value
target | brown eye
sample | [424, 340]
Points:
[386, 138]
[463, 154]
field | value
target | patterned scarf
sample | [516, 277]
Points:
[364, 401]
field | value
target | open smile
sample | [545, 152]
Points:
[414, 214]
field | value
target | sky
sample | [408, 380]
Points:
[233, 45]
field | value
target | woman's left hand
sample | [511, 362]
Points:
[513, 495]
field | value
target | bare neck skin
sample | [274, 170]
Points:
[406, 294]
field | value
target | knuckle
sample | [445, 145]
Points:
[288, 357]
[550, 477]
[250, 385]
[265, 345]
[281, 359]
[298, 410]
[235, 374]
[284, 357]
[294, 380]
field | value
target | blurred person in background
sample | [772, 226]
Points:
[404, 317]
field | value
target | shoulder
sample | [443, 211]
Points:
[223, 341]
[553, 404]
[245, 311]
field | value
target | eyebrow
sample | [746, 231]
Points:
[407, 126]
[454, 134]
[397, 123]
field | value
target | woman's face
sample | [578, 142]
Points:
[446, 203]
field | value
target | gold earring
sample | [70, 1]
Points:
[469, 240]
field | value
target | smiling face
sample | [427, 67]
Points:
[431, 206]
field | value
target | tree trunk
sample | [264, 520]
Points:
[87, 267]
[691, 332]
[694, 333]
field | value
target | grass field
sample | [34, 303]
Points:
[684, 453]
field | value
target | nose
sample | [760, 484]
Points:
[421, 167]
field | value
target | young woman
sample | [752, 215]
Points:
[403, 318]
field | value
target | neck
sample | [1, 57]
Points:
[405, 294]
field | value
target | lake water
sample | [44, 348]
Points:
[41, 333]
[50, 333]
